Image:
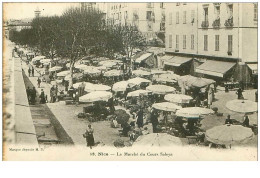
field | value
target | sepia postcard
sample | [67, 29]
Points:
[103, 81]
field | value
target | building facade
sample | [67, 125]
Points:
[148, 17]
[223, 32]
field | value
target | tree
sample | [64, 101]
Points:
[127, 38]
[47, 30]
[79, 34]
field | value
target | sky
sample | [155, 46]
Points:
[26, 10]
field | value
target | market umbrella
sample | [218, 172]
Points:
[37, 58]
[81, 66]
[120, 86]
[75, 76]
[193, 112]
[228, 134]
[169, 76]
[157, 140]
[96, 96]
[45, 60]
[108, 63]
[177, 98]
[141, 73]
[138, 93]
[86, 84]
[63, 73]
[160, 89]
[242, 106]
[97, 87]
[101, 68]
[113, 73]
[166, 106]
[55, 68]
[91, 71]
[200, 82]
[157, 72]
[138, 81]
[163, 80]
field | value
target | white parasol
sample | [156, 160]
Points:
[242, 106]
[160, 89]
[63, 73]
[120, 86]
[96, 96]
[193, 112]
[228, 134]
[178, 98]
[138, 93]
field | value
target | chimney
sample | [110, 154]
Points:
[37, 12]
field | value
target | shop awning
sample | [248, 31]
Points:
[143, 57]
[215, 68]
[166, 57]
[253, 67]
[176, 61]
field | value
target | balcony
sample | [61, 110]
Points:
[205, 24]
[229, 53]
[162, 27]
[229, 23]
[216, 23]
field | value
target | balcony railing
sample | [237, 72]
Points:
[229, 23]
[205, 24]
[216, 23]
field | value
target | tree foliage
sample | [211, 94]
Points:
[79, 32]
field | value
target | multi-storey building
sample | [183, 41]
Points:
[148, 17]
[217, 40]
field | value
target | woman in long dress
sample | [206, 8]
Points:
[89, 137]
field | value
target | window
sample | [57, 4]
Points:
[255, 11]
[184, 16]
[126, 15]
[184, 41]
[217, 10]
[206, 14]
[149, 15]
[192, 41]
[192, 16]
[177, 41]
[230, 39]
[205, 42]
[170, 19]
[230, 9]
[216, 42]
[177, 17]
[170, 41]
[162, 5]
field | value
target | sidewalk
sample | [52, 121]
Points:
[25, 131]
